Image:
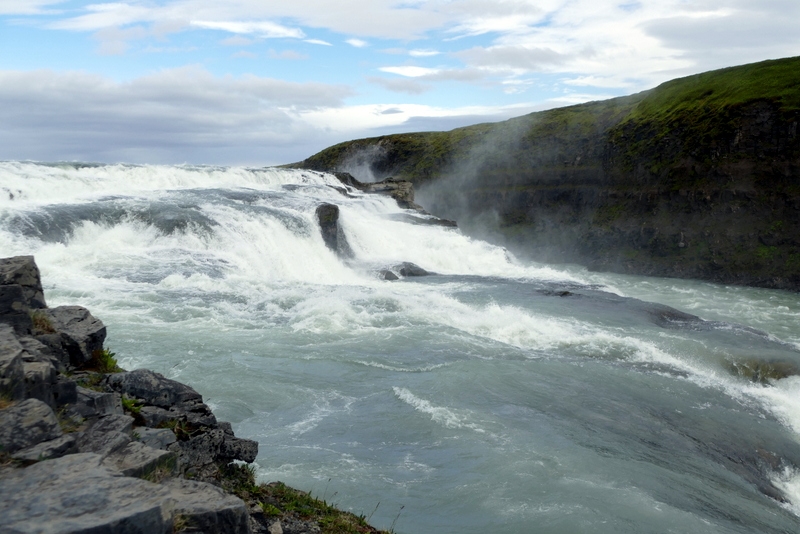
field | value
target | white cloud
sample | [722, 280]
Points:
[27, 7]
[264, 29]
[172, 116]
[423, 53]
[357, 43]
[317, 42]
[410, 71]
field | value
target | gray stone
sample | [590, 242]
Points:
[410, 269]
[47, 450]
[76, 494]
[208, 509]
[156, 390]
[56, 348]
[22, 271]
[153, 388]
[81, 333]
[157, 438]
[97, 402]
[65, 391]
[332, 233]
[137, 460]
[200, 450]
[12, 374]
[39, 380]
[107, 435]
[13, 310]
[275, 528]
[39, 352]
[26, 424]
[154, 416]
[386, 274]
[241, 449]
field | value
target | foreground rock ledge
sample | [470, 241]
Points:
[86, 447]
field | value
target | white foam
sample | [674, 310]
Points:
[443, 416]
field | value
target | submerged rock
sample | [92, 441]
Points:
[764, 372]
[407, 269]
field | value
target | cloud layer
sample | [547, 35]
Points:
[247, 81]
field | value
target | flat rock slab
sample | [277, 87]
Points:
[77, 495]
[92, 402]
[157, 438]
[153, 388]
[208, 509]
[138, 460]
[27, 424]
[107, 434]
[47, 450]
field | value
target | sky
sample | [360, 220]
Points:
[266, 82]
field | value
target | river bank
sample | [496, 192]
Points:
[88, 447]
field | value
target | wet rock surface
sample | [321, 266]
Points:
[332, 232]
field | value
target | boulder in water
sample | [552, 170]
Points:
[407, 269]
[332, 234]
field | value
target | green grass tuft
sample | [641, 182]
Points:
[103, 361]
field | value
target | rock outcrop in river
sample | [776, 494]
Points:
[86, 447]
[697, 178]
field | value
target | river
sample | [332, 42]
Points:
[493, 396]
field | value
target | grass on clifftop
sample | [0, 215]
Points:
[280, 501]
[774, 80]
[704, 106]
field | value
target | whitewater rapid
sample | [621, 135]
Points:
[495, 394]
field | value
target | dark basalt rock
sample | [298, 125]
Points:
[400, 190]
[407, 269]
[81, 333]
[332, 233]
[386, 274]
[26, 424]
[153, 388]
[22, 271]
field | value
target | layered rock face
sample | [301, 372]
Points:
[698, 178]
[107, 469]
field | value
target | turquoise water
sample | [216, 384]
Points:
[493, 396]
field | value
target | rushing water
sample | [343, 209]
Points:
[494, 396]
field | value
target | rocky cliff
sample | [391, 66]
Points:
[699, 177]
[86, 447]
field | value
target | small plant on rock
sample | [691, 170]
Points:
[103, 361]
[180, 523]
[131, 405]
[180, 428]
[42, 323]
[92, 381]
[68, 423]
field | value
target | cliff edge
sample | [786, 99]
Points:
[697, 178]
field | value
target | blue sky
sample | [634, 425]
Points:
[255, 82]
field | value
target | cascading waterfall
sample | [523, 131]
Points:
[494, 395]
